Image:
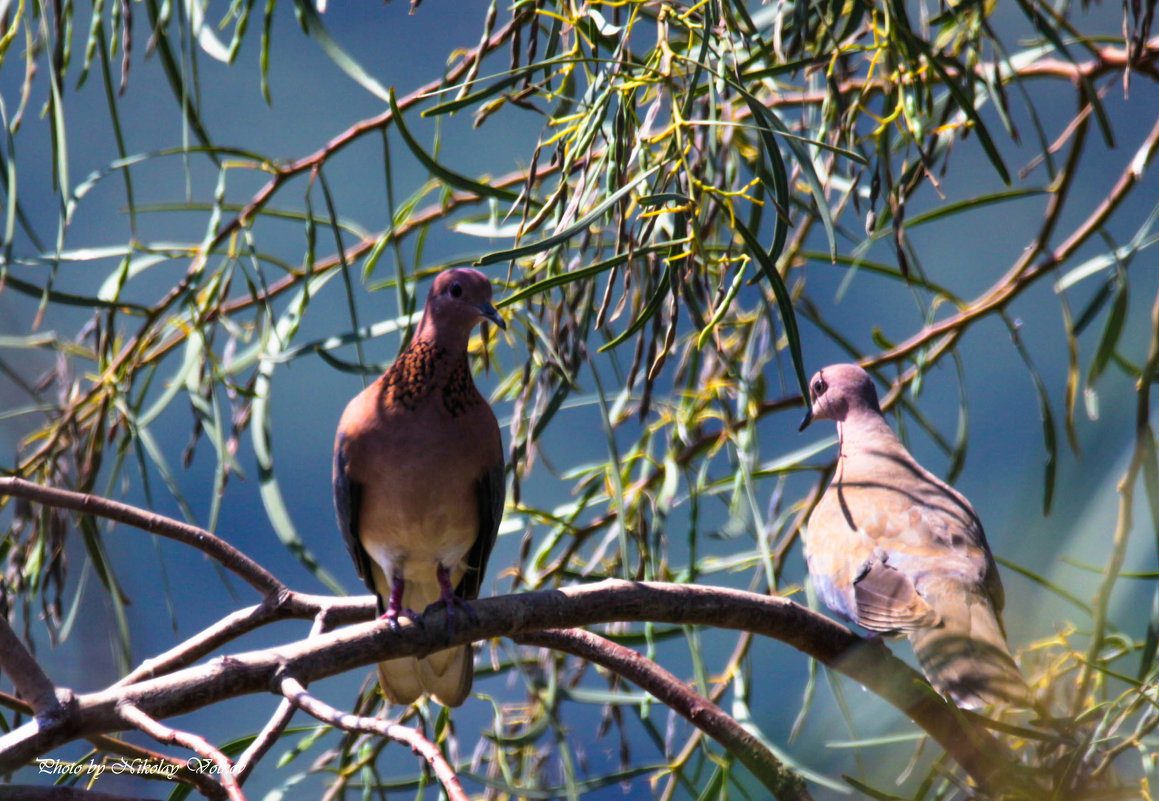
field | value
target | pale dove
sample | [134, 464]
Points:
[895, 549]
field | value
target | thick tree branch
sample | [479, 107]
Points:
[866, 661]
[678, 696]
[25, 673]
[293, 690]
[111, 745]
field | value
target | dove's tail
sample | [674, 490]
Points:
[965, 656]
[446, 675]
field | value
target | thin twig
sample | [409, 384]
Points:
[276, 724]
[679, 697]
[179, 768]
[1144, 441]
[1019, 276]
[293, 690]
[211, 545]
[294, 605]
[25, 792]
[133, 716]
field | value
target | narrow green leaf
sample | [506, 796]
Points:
[951, 209]
[870, 742]
[862, 787]
[264, 60]
[784, 303]
[581, 274]
[771, 121]
[650, 308]
[171, 65]
[203, 33]
[510, 78]
[965, 105]
[261, 435]
[445, 175]
[344, 61]
[777, 183]
[1116, 319]
[690, 91]
[795, 460]
[722, 307]
[1151, 486]
[571, 230]
[1043, 582]
[659, 199]
[1097, 264]
[1049, 434]
[1051, 34]
[1151, 641]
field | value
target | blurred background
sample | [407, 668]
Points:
[229, 422]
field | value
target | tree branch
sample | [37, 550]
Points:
[293, 605]
[866, 661]
[30, 681]
[138, 719]
[1021, 274]
[179, 768]
[275, 725]
[678, 696]
[23, 792]
[293, 690]
[230, 557]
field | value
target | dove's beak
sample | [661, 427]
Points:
[489, 312]
[807, 419]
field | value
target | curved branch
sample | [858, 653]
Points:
[276, 724]
[178, 769]
[133, 716]
[678, 696]
[1021, 274]
[868, 662]
[296, 694]
[230, 557]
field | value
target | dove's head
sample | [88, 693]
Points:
[458, 300]
[838, 390]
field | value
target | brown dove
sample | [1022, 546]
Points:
[895, 549]
[418, 483]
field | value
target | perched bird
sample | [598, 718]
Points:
[895, 549]
[418, 483]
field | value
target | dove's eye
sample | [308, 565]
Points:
[456, 290]
[819, 387]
